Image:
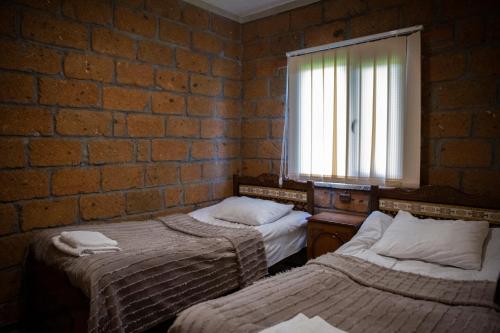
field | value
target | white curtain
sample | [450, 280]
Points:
[354, 113]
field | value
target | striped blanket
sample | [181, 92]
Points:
[165, 266]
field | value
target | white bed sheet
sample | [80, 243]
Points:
[282, 238]
[376, 224]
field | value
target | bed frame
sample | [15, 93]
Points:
[438, 202]
[54, 305]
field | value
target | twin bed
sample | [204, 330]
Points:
[174, 262]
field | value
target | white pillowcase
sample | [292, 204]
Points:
[446, 242]
[251, 211]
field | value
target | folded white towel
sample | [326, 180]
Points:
[81, 250]
[302, 324]
[86, 238]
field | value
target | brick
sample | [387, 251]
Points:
[68, 92]
[8, 216]
[164, 102]
[202, 150]
[448, 124]
[16, 87]
[324, 34]
[195, 16]
[83, 123]
[136, 22]
[303, 17]
[222, 190]
[109, 42]
[232, 88]
[155, 53]
[49, 213]
[257, 49]
[102, 206]
[444, 177]
[183, 127]
[269, 149]
[255, 128]
[190, 173]
[249, 149]
[143, 151]
[11, 282]
[206, 42]
[470, 31]
[466, 153]
[59, 32]
[461, 94]
[446, 66]
[270, 108]
[28, 57]
[145, 126]
[484, 61]
[273, 25]
[233, 128]
[122, 177]
[173, 196]
[190, 61]
[215, 170]
[169, 150]
[228, 149]
[205, 85]
[228, 108]
[232, 50]
[75, 181]
[134, 74]
[226, 68]
[285, 43]
[125, 99]
[161, 174]
[87, 67]
[334, 10]
[269, 67]
[277, 128]
[110, 151]
[212, 128]
[437, 38]
[487, 124]
[144, 201]
[375, 22]
[174, 33]
[225, 27]
[172, 80]
[15, 247]
[119, 124]
[482, 182]
[256, 89]
[194, 194]
[277, 86]
[416, 12]
[12, 153]
[92, 11]
[8, 21]
[25, 121]
[49, 5]
[200, 106]
[254, 167]
[54, 152]
[167, 8]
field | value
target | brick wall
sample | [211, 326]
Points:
[110, 110]
[460, 83]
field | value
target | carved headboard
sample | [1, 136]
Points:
[266, 186]
[439, 202]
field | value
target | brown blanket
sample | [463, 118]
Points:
[165, 266]
[353, 295]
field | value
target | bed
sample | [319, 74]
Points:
[166, 264]
[357, 290]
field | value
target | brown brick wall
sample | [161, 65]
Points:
[110, 110]
[460, 83]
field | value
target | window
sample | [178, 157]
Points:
[354, 113]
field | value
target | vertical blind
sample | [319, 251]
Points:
[354, 113]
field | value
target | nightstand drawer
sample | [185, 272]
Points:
[326, 232]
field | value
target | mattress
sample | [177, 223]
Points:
[282, 238]
[376, 224]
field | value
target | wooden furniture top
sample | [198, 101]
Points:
[339, 218]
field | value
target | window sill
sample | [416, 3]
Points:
[342, 186]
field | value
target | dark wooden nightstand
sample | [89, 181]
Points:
[326, 232]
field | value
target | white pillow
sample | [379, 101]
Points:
[446, 242]
[251, 211]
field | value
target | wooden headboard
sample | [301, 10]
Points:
[266, 186]
[439, 202]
